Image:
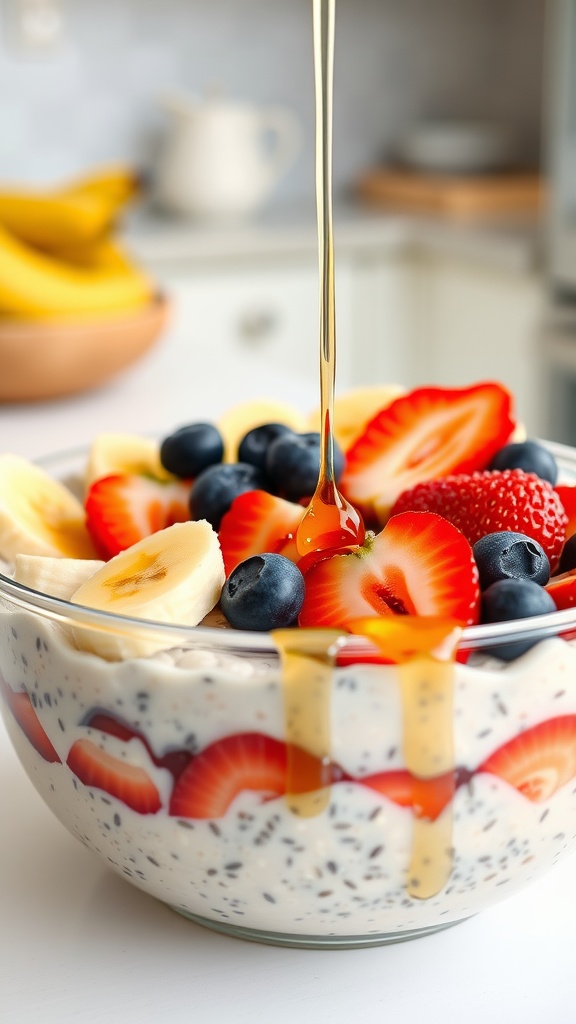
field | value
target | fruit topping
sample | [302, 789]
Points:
[529, 456]
[238, 421]
[265, 592]
[568, 557]
[255, 444]
[174, 576]
[293, 464]
[216, 488]
[424, 435]
[512, 599]
[257, 522]
[426, 797]
[38, 515]
[539, 761]
[354, 409]
[507, 555]
[483, 503]
[189, 450]
[567, 495]
[418, 565]
[124, 509]
[228, 767]
[58, 577]
[111, 454]
[99, 770]
[23, 711]
[562, 590]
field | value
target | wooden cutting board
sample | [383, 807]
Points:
[464, 196]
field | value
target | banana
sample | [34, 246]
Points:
[38, 515]
[174, 576]
[235, 423]
[124, 453]
[119, 184]
[53, 222]
[354, 409]
[57, 577]
[37, 286]
[105, 254]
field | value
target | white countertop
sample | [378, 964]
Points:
[79, 944]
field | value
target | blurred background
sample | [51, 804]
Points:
[455, 185]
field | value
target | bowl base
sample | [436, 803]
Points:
[314, 941]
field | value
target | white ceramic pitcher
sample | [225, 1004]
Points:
[223, 159]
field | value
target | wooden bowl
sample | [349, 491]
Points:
[40, 360]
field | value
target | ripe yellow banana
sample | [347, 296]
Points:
[72, 217]
[174, 576]
[119, 184]
[37, 286]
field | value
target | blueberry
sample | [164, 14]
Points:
[505, 556]
[255, 444]
[215, 489]
[529, 456]
[262, 593]
[568, 556]
[192, 449]
[514, 599]
[293, 464]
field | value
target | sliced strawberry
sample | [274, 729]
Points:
[483, 503]
[175, 761]
[562, 590]
[23, 711]
[245, 761]
[424, 435]
[539, 761]
[567, 496]
[128, 783]
[426, 797]
[418, 565]
[257, 522]
[125, 508]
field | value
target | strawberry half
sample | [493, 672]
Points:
[123, 509]
[418, 565]
[562, 590]
[482, 503]
[567, 495]
[245, 761]
[426, 797]
[424, 435]
[257, 522]
[99, 770]
[539, 761]
[175, 761]
[21, 707]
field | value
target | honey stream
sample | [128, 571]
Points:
[308, 656]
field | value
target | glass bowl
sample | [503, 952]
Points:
[174, 768]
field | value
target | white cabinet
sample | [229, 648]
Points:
[472, 322]
[237, 318]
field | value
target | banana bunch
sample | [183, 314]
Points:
[58, 254]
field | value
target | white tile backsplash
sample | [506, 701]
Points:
[97, 99]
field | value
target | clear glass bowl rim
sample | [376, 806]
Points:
[234, 642]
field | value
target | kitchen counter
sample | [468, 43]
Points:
[291, 231]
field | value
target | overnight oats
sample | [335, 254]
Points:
[355, 745]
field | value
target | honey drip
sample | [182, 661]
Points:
[307, 659]
[330, 521]
[427, 688]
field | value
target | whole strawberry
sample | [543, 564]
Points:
[482, 503]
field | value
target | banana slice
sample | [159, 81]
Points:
[174, 576]
[58, 577]
[38, 515]
[124, 453]
[354, 409]
[235, 423]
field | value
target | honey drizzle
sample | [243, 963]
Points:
[307, 659]
[330, 521]
[427, 689]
